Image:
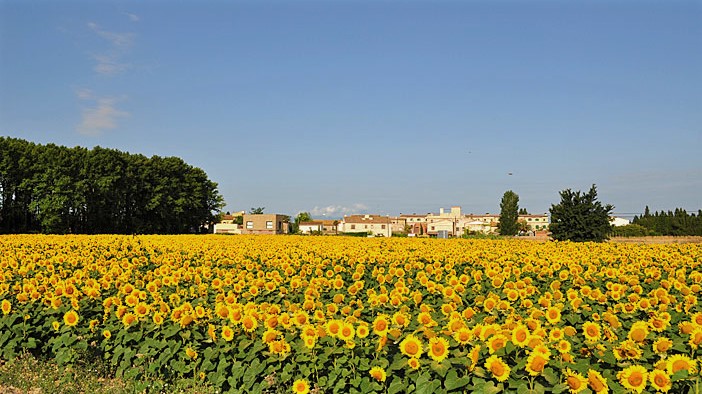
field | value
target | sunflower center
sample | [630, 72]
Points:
[438, 349]
[573, 382]
[497, 369]
[660, 380]
[679, 365]
[635, 379]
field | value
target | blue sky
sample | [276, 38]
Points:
[387, 107]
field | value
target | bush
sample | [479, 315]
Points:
[632, 230]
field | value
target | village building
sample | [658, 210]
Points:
[375, 225]
[265, 223]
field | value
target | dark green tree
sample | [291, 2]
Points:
[300, 218]
[256, 211]
[55, 189]
[509, 207]
[523, 211]
[580, 217]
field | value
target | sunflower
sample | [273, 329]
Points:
[211, 332]
[191, 353]
[695, 338]
[553, 315]
[378, 374]
[463, 336]
[633, 378]
[107, 334]
[222, 311]
[411, 346]
[662, 345]
[520, 335]
[300, 386]
[597, 382]
[473, 356]
[279, 347]
[131, 300]
[679, 362]
[592, 331]
[413, 363]
[438, 348]
[498, 368]
[575, 381]
[6, 307]
[555, 335]
[362, 330]
[563, 346]
[334, 327]
[496, 342]
[227, 333]
[71, 318]
[381, 325]
[639, 331]
[141, 309]
[660, 380]
[536, 363]
[627, 350]
[301, 318]
[346, 333]
[309, 342]
[400, 319]
[425, 319]
[249, 323]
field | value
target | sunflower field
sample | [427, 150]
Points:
[282, 314]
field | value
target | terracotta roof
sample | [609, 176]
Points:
[367, 219]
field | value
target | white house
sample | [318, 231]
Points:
[309, 227]
[616, 222]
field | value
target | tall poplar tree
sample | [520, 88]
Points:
[509, 208]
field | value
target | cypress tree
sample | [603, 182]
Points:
[509, 207]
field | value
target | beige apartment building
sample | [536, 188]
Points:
[375, 225]
[535, 222]
[266, 223]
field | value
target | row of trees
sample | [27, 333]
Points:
[55, 189]
[578, 217]
[677, 223]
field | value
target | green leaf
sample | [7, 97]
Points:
[550, 376]
[453, 382]
[340, 386]
[609, 358]
[396, 386]
[680, 375]
[398, 363]
[559, 388]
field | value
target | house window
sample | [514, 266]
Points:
[383, 227]
[433, 228]
[269, 225]
[249, 225]
[353, 227]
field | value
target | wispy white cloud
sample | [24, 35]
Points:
[119, 40]
[133, 17]
[101, 116]
[110, 62]
[338, 210]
